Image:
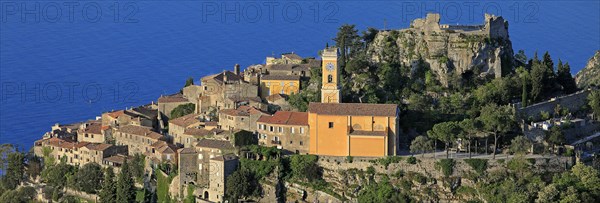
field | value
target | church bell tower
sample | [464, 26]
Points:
[330, 91]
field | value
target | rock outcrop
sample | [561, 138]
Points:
[448, 49]
[590, 75]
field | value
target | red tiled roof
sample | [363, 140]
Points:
[186, 120]
[275, 97]
[292, 56]
[201, 132]
[286, 118]
[164, 147]
[353, 109]
[93, 128]
[242, 111]
[116, 114]
[98, 146]
[139, 130]
[215, 144]
[63, 143]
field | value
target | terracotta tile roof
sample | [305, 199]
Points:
[215, 144]
[116, 114]
[280, 77]
[172, 99]
[353, 109]
[211, 123]
[201, 132]
[188, 150]
[93, 128]
[164, 147]
[368, 133]
[289, 67]
[139, 130]
[242, 111]
[64, 143]
[145, 111]
[120, 159]
[226, 157]
[105, 127]
[98, 146]
[292, 56]
[275, 97]
[286, 118]
[186, 120]
[231, 76]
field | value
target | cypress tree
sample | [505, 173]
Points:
[107, 194]
[125, 185]
[524, 95]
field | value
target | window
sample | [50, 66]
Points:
[329, 79]
[301, 143]
[271, 128]
[292, 129]
[168, 157]
[92, 136]
[86, 135]
[301, 130]
[280, 129]
[291, 142]
[199, 166]
[330, 124]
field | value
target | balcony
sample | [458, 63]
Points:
[277, 142]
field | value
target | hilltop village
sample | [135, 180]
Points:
[363, 122]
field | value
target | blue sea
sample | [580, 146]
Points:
[68, 61]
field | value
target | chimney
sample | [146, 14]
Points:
[236, 69]
[224, 76]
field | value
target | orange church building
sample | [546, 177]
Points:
[349, 129]
[352, 129]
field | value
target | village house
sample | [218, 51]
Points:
[278, 102]
[161, 152]
[59, 148]
[93, 132]
[279, 84]
[218, 87]
[141, 116]
[116, 160]
[166, 104]
[285, 130]
[68, 131]
[207, 166]
[193, 135]
[138, 139]
[97, 152]
[178, 126]
[286, 58]
[242, 118]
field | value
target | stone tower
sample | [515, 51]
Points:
[330, 91]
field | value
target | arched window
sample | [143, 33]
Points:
[329, 78]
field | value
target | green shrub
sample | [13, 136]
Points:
[386, 161]
[411, 160]
[446, 166]
[349, 159]
[416, 177]
[479, 165]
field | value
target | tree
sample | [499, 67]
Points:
[182, 110]
[21, 195]
[305, 167]
[56, 175]
[125, 186]
[14, 171]
[496, 120]
[537, 81]
[189, 81]
[241, 184]
[421, 144]
[107, 194]
[594, 102]
[89, 177]
[555, 136]
[565, 79]
[521, 57]
[520, 145]
[468, 131]
[524, 75]
[445, 132]
[137, 166]
[34, 166]
[348, 41]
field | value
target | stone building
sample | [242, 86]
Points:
[286, 58]
[279, 84]
[218, 87]
[192, 135]
[242, 118]
[97, 152]
[93, 132]
[166, 104]
[178, 126]
[285, 130]
[207, 166]
[138, 139]
[68, 131]
[146, 115]
[59, 148]
[162, 152]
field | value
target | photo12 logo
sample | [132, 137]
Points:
[68, 11]
[69, 92]
[470, 11]
[271, 11]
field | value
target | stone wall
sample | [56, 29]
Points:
[573, 102]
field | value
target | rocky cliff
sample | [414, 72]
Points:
[590, 75]
[482, 49]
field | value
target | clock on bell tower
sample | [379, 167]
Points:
[330, 91]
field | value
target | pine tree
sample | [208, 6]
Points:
[565, 79]
[125, 185]
[107, 194]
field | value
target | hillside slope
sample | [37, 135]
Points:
[590, 75]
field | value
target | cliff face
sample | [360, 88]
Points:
[590, 75]
[483, 49]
